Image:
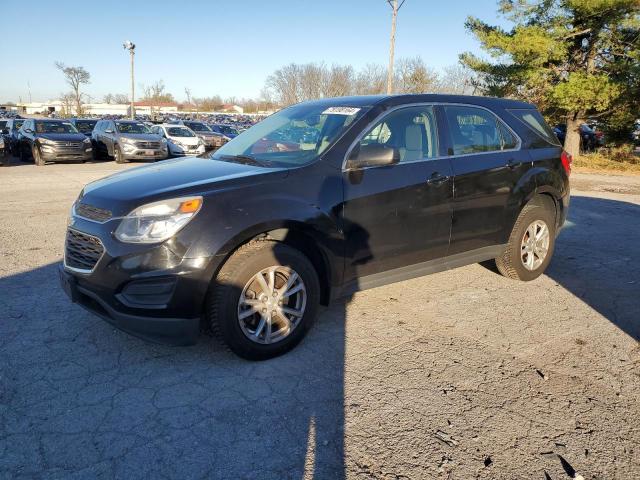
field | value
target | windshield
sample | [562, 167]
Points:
[179, 132]
[86, 126]
[55, 127]
[228, 129]
[130, 127]
[292, 137]
[198, 127]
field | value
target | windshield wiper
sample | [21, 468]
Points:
[247, 159]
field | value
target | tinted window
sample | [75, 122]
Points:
[180, 132]
[410, 130]
[3, 124]
[198, 127]
[532, 119]
[473, 130]
[85, 126]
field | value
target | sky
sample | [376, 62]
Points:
[217, 47]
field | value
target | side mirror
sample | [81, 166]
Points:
[28, 130]
[108, 130]
[5, 131]
[374, 155]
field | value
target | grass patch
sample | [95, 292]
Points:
[613, 159]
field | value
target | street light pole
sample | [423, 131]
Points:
[395, 7]
[128, 45]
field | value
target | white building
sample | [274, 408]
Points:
[89, 109]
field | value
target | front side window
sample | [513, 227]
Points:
[292, 137]
[412, 131]
[131, 127]
[473, 130]
[85, 126]
[198, 127]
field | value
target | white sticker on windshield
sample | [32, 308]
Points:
[341, 111]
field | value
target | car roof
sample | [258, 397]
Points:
[401, 99]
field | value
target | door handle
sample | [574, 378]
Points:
[437, 179]
[512, 164]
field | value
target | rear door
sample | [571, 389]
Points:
[398, 215]
[487, 163]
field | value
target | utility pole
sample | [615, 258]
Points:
[29, 87]
[128, 45]
[395, 7]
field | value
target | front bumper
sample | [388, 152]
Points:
[52, 154]
[164, 330]
[150, 291]
[135, 153]
[182, 151]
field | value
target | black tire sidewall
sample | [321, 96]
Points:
[243, 268]
[538, 212]
[37, 156]
[117, 154]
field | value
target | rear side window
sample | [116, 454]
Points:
[475, 130]
[532, 119]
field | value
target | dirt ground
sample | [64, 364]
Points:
[459, 375]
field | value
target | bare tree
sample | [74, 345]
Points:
[338, 81]
[370, 80]
[68, 100]
[413, 76]
[108, 98]
[458, 80]
[120, 98]
[285, 84]
[75, 78]
[187, 92]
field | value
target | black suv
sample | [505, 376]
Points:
[252, 238]
[47, 140]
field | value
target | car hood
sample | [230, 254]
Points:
[62, 137]
[184, 176]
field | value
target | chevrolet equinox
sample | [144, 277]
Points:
[249, 240]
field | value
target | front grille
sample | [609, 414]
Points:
[68, 145]
[82, 251]
[148, 144]
[92, 213]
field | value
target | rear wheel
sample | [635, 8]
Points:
[531, 243]
[264, 300]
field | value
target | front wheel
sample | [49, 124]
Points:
[117, 154]
[37, 156]
[264, 299]
[531, 243]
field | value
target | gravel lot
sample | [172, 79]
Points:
[463, 374]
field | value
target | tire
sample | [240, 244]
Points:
[37, 156]
[117, 154]
[540, 211]
[22, 155]
[233, 283]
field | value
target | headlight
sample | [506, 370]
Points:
[177, 142]
[163, 140]
[155, 222]
[86, 140]
[44, 141]
[130, 141]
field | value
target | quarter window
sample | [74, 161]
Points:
[412, 131]
[475, 130]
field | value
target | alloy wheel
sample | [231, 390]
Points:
[272, 304]
[535, 245]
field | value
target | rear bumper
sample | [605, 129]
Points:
[159, 329]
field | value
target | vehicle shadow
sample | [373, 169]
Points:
[596, 259]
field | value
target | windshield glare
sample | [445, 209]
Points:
[228, 129]
[179, 132]
[55, 127]
[292, 137]
[129, 127]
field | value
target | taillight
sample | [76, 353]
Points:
[566, 162]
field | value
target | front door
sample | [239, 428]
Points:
[397, 215]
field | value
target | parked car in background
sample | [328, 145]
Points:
[84, 125]
[181, 140]
[126, 140]
[226, 130]
[3, 153]
[211, 139]
[11, 135]
[588, 137]
[251, 241]
[48, 140]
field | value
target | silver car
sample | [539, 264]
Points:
[126, 140]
